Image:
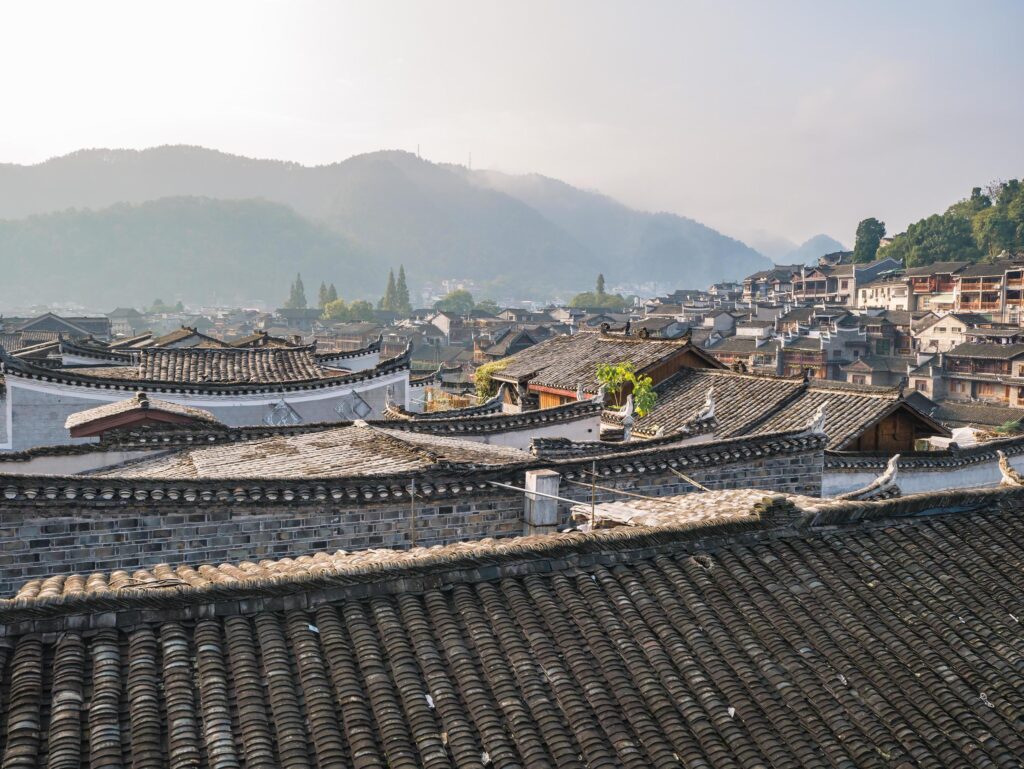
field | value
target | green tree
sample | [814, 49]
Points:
[332, 293]
[600, 284]
[387, 302]
[297, 296]
[322, 298]
[488, 305]
[939, 238]
[591, 300]
[336, 310]
[486, 387]
[458, 301]
[403, 304]
[360, 310]
[869, 235]
[621, 380]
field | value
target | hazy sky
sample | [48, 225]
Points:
[788, 117]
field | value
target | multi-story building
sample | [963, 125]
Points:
[993, 373]
[775, 285]
[890, 292]
[994, 289]
[933, 286]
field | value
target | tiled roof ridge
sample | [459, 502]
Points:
[370, 348]
[446, 480]
[24, 369]
[439, 565]
[245, 588]
[924, 460]
[395, 412]
[99, 353]
[500, 422]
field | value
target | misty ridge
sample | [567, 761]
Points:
[110, 227]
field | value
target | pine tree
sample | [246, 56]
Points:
[332, 294]
[297, 297]
[600, 284]
[322, 297]
[402, 303]
[387, 302]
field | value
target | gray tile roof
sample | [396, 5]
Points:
[989, 351]
[751, 404]
[139, 401]
[358, 449]
[567, 361]
[888, 639]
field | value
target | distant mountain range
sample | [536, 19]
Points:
[784, 251]
[123, 226]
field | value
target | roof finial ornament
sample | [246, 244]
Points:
[817, 424]
[1009, 476]
[626, 414]
[883, 487]
[580, 395]
[602, 391]
[708, 412]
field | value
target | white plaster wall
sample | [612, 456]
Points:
[37, 410]
[73, 464]
[917, 481]
[359, 363]
[581, 430]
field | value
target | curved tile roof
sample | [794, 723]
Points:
[891, 645]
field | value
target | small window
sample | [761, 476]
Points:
[921, 385]
[941, 330]
[859, 379]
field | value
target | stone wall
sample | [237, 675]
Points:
[794, 474]
[53, 538]
[49, 525]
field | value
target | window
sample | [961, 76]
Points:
[940, 330]
[844, 284]
[921, 385]
[859, 379]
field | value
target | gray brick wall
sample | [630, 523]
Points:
[59, 536]
[38, 541]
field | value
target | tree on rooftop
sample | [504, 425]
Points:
[322, 297]
[486, 387]
[459, 302]
[621, 380]
[869, 236]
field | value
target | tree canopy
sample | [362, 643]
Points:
[598, 299]
[297, 295]
[396, 294]
[458, 301]
[622, 380]
[869, 235]
[983, 225]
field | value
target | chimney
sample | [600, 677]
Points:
[540, 513]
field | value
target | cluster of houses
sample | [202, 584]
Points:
[280, 546]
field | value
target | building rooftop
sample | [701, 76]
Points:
[987, 350]
[568, 361]
[751, 404]
[785, 634]
[354, 450]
